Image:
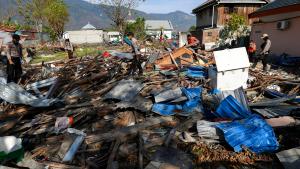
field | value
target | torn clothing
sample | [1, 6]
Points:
[265, 47]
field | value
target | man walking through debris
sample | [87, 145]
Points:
[193, 42]
[136, 63]
[264, 54]
[14, 58]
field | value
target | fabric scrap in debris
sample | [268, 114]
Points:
[15, 94]
[231, 108]
[126, 90]
[253, 133]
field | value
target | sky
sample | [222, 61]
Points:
[166, 6]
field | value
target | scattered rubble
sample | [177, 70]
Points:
[89, 113]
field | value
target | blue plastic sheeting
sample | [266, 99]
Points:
[166, 109]
[231, 108]
[196, 72]
[253, 133]
[192, 104]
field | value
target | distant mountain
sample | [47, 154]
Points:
[82, 12]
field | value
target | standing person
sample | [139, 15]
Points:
[265, 47]
[69, 48]
[136, 63]
[193, 42]
[252, 51]
[14, 58]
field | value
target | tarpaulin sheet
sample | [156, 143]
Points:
[253, 133]
[185, 108]
[196, 72]
[231, 108]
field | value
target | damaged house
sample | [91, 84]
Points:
[213, 14]
[281, 21]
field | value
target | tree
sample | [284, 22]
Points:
[118, 11]
[234, 29]
[137, 27]
[50, 15]
[192, 28]
[57, 16]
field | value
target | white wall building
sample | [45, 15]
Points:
[111, 36]
[155, 27]
[88, 34]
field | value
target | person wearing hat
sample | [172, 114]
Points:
[14, 57]
[265, 47]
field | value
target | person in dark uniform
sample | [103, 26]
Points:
[14, 59]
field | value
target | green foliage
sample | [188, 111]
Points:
[137, 27]
[57, 15]
[50, 14]
[192, 28]
[234, 29]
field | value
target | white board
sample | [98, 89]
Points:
[231, 59]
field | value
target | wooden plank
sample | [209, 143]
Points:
[167, 59]
[54, 165]
[141, 159]
[112, 156]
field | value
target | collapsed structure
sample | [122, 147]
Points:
[88, 113]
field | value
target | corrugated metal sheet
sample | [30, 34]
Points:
[15, 94]
[126, 90]
[158, 24]
[290, 159]
[238, 94]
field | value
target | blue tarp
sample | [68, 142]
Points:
[192, 104]
[252, 132]
[196, 72]
[231, 108]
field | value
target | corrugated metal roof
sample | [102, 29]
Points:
[158, 24]
[212, 2]
[278, 4]
[88, 27]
